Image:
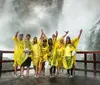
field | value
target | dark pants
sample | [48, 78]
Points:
[70, 71]
[53, 70]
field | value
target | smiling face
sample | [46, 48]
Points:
[44, 42]
[50, 42]
[35, 40]
[20, 36]
[68, 40]
[28, 37]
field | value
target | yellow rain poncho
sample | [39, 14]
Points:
[51, 53]
[58, 54]
[75, 43]
[35, 54]
[69, 58]
[27, 45]
[44, 52]
[18, 50]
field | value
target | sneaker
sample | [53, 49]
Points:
[43, 75]
[51, 76]
[71, 76]
[68, 75]
[22, 77]
[27, 76]
[59, 75]
[14, 74]
[36, 76]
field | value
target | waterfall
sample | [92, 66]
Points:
[29, 16]
[76, 15]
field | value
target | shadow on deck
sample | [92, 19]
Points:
[77, 80]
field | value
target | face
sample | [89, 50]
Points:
[68, 40]
[21, 37]
[62, 41]
[50, 41]
[44, 42]
[28, 37]
[35, 40]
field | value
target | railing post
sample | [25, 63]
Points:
[94, 65]
[85, 64]
[0, 64]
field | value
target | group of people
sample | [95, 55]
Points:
[60, 53]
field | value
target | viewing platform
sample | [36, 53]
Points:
[84, 75]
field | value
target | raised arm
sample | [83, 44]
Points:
[41, 36]
[44, 35]
[16, 34]
[56, 33]
[65, 34]
[80, 33]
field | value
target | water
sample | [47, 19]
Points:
[29, 16]
[51, 15]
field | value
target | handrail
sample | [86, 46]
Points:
[85, 61]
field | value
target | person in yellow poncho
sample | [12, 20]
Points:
[35, 55]
[17, 51]
[26, 58]
[51, 42]
[59, 53]
[51, 51]
[43, 52]
[69, 59]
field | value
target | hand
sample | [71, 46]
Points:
[81, 31]
[56, 32]
[42, 31]
[17, 32]
[67, 32]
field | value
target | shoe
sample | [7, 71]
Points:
[59, 75]
[68, 75]
[15, 75]
[36, 75]
[51, 76]
[22, 77]
[71, 76]
[27, 76]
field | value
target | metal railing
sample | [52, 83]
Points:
[85, 61]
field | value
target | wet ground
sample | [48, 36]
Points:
[77, 80]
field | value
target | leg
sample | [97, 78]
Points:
[51, 70]
[43, 68]
[71, 71]
[68, 71]
[28, 69]
[54, 69]
[15, 68]
[35, 69]
[40, 67]
[22, 71]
